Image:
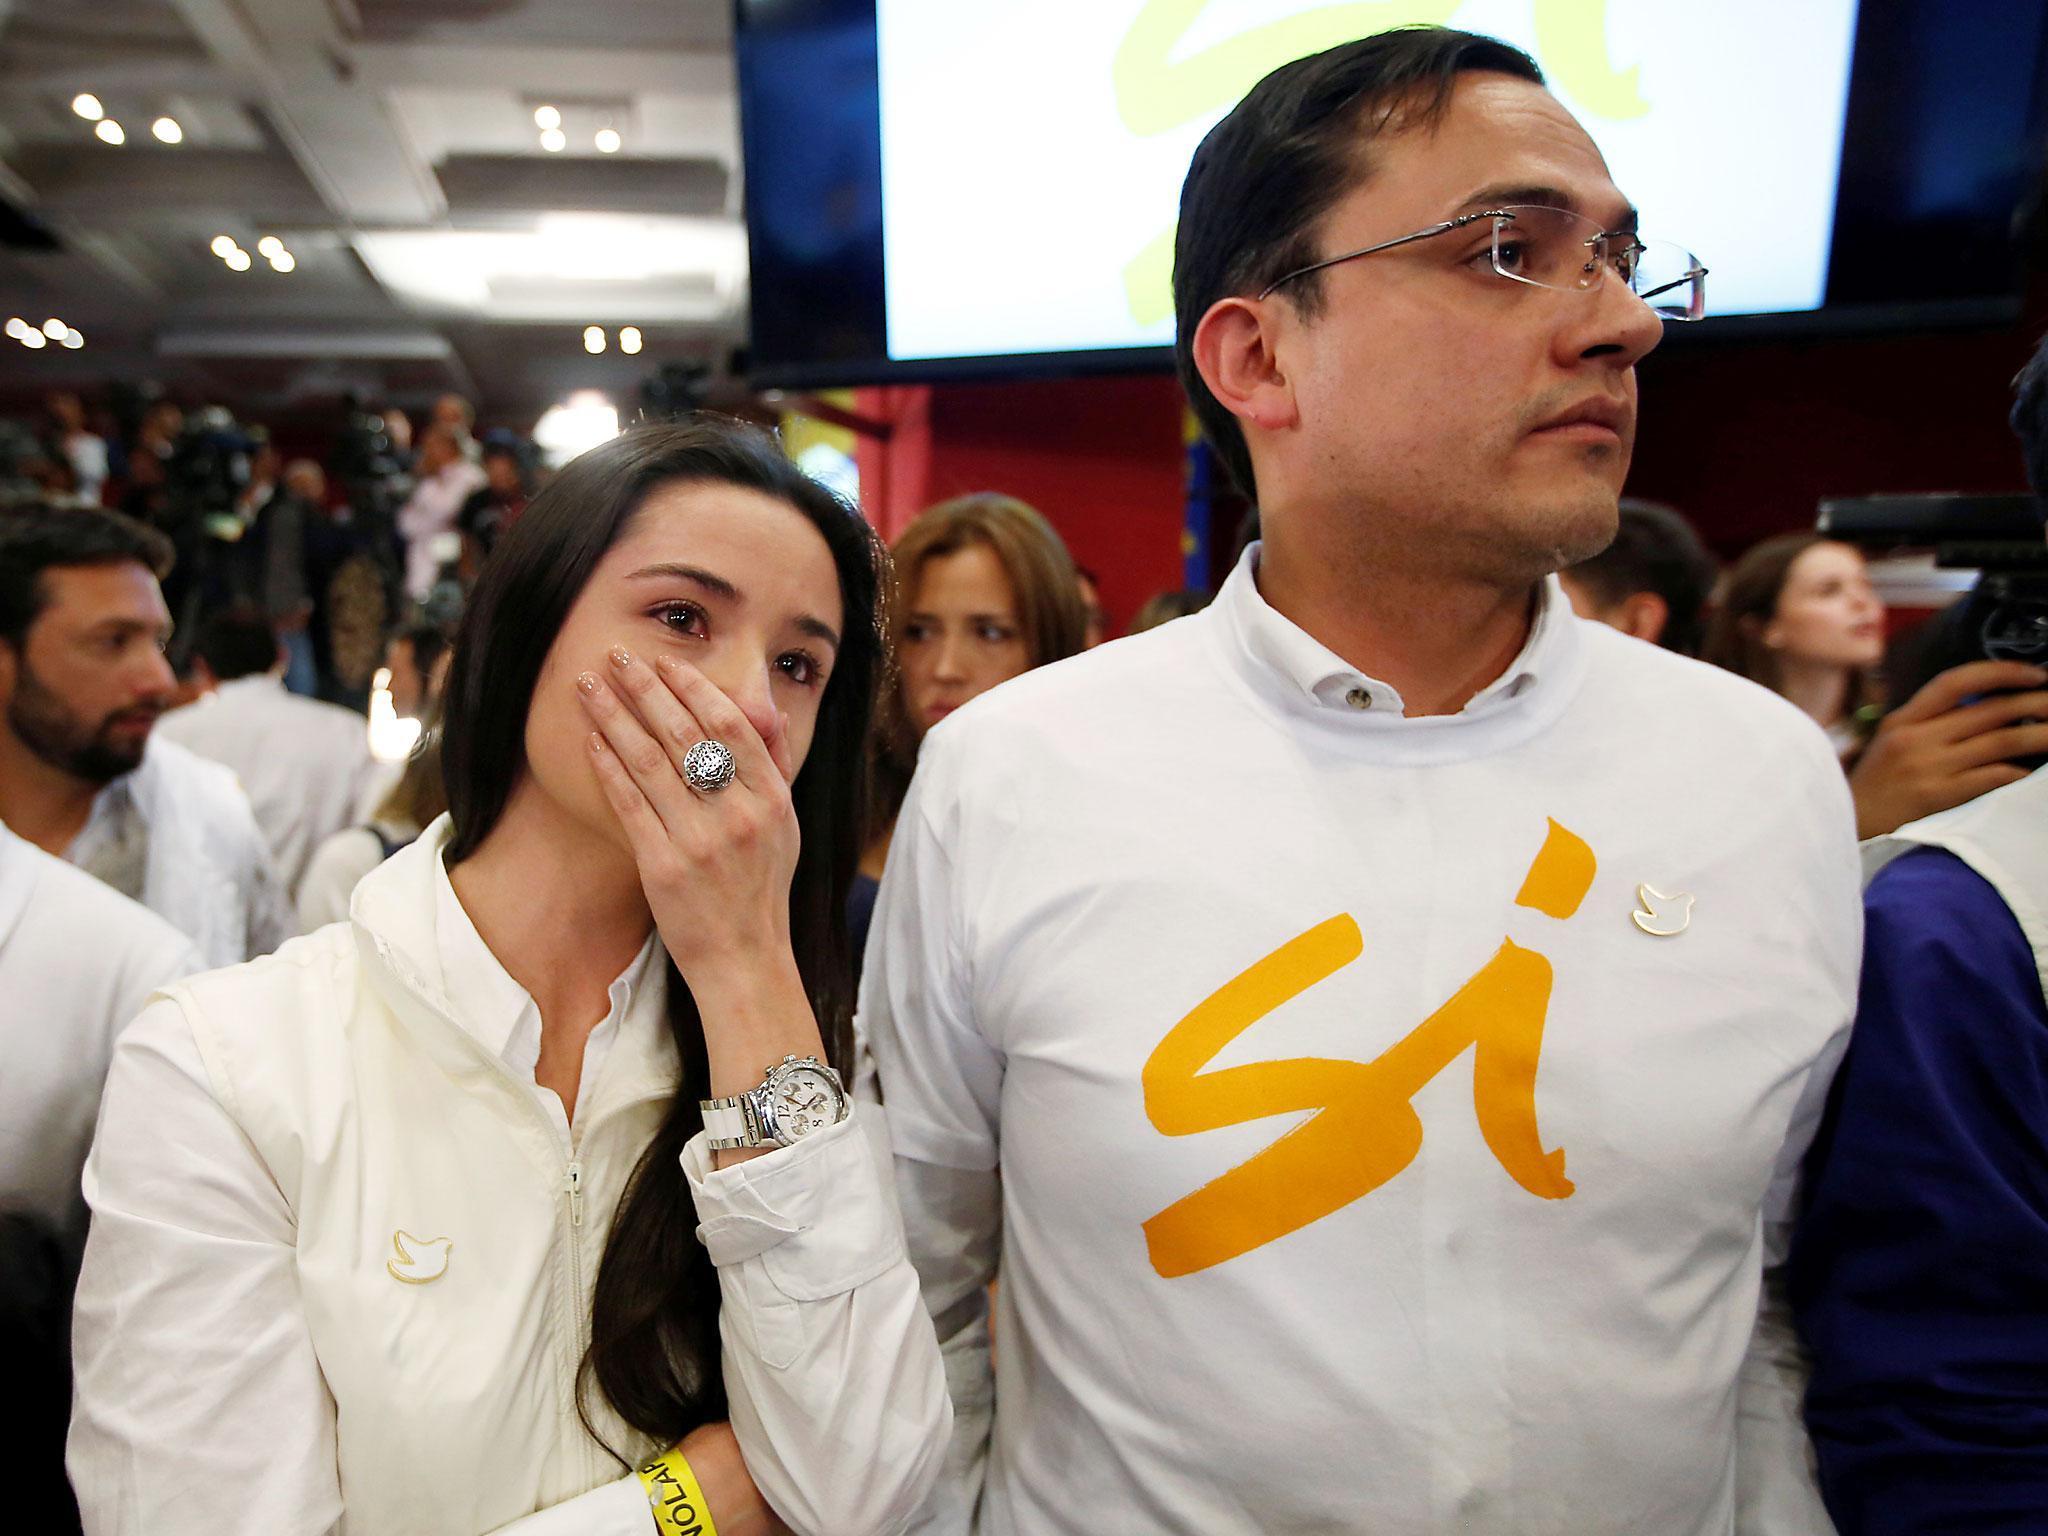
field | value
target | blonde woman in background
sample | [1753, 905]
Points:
[984, 590]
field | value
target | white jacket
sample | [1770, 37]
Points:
[360, 1248]
[209, 874]
[77, 959]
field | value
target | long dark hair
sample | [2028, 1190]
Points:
[1749, 601]
[654, 1318]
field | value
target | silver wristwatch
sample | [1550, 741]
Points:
[796, 1099]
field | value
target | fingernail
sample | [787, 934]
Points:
[588, 682]
[666, 663]
[621, 656]
[596, 742]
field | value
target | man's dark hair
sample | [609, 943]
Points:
[1264, 177]
[237, 642]
[1656, 550]
[37, 535]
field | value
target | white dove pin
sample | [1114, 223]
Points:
[1661, 916]
[421, 1260]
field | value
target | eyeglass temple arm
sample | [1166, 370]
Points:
[1385, 245]
[1691, 276]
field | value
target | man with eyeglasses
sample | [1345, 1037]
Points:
[1373, 1025]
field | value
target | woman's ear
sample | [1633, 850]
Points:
[1757, 632]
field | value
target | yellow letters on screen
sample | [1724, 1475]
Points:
[1157, 92]
[1364, 1130]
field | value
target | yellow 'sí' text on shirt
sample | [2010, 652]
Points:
[1363, 1130]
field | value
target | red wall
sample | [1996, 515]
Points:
[1746, 436]
[1101, 458]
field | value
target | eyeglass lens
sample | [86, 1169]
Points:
[1554, 248]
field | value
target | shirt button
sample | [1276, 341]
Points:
[1359, 698]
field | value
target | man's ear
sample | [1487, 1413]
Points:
[1644, 615]
[1234, 353]
[10, 669]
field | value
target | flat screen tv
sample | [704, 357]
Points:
[974, 188]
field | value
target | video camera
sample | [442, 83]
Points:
[2005, 615]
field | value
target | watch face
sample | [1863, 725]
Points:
[806, 1100]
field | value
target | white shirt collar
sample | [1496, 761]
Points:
[1280, 658]
[493, 1008]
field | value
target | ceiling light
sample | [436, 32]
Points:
[238, 261]
[17, 327]
[224, 246]
[582, 421]
[167, 131]
[687, 271]
[546, 117]
[629, 339]
[593, 339]
[110, 132]
[87, 106]
[554, 141]
[608, 141]
[55, 329]
[74, 339]
[269, 246]
[283, 261]
[34, 340]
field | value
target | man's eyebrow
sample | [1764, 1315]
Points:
[718, 586]
[1540, 197]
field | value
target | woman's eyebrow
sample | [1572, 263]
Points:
[718, 586]
[818, 629]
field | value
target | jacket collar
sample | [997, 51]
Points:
[396, 915]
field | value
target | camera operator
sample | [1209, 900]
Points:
[1920, 1270]
[1976, 714]
[353, 552]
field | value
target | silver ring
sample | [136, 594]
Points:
[708, 767]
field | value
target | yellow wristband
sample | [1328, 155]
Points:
[672, 1488]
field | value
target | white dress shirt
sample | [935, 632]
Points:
[77, 962]
[1378, 1122]
[302, 763]
[204, 1402]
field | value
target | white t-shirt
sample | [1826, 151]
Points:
[302, 762]
[1148, 910]
[77, 962]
